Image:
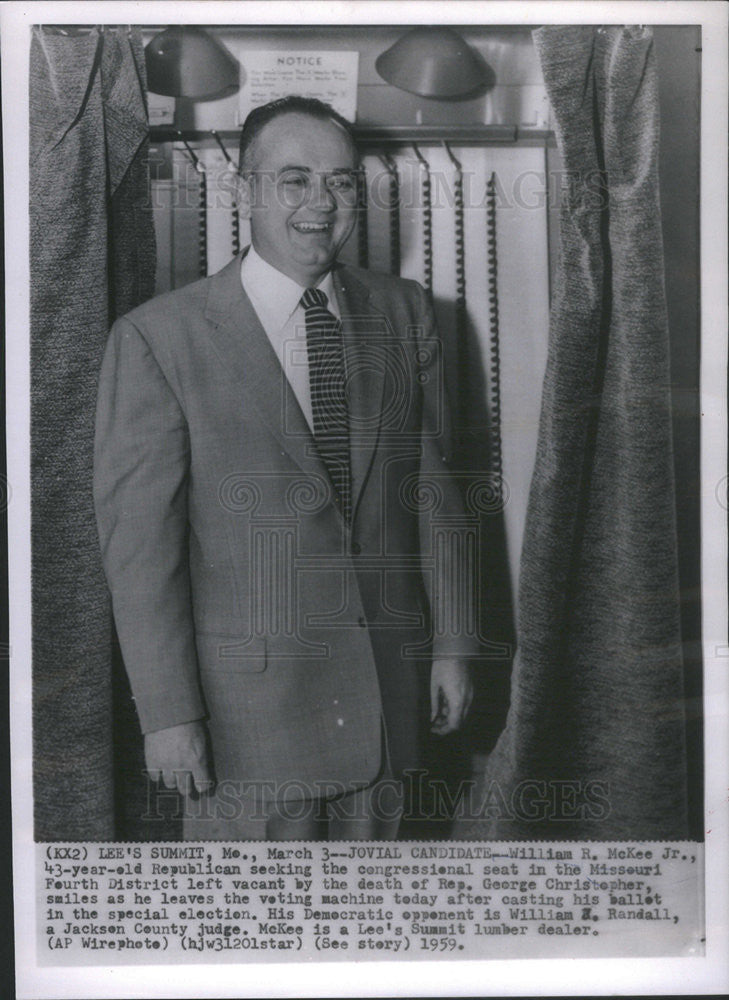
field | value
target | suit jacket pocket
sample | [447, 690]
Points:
[220, 651]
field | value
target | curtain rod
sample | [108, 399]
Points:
[79, 30]
[386, 134]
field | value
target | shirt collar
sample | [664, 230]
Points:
[274, 295]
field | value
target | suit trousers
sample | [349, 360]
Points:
[237, 813]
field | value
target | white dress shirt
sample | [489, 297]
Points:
[276, 299]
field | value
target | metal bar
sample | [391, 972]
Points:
[462, 347]
[373, 134]
[235, 228]
[363, 239]
[435, 133]
[202, 226]
[393, 206]
[494, 339]
[179, 137]
[235, 213]
[202, 208]
[427, 219]
[460, 239]
[229, 159]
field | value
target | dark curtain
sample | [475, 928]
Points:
[594, 741]
[92, 258]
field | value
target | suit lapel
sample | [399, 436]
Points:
[245, 351]
[364, 327]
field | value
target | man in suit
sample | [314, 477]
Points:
[269, 443]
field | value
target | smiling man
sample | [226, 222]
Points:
[265, 439]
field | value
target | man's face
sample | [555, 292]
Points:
[302, 194]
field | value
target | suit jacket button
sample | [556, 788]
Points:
[356, 548]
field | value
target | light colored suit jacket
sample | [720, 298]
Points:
[239, 592]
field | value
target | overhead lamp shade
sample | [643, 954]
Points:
[185, 61]
[433, 62]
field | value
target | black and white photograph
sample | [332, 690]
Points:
[366, 492]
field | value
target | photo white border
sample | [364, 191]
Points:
[586, 977]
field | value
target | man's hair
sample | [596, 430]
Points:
[258, 118]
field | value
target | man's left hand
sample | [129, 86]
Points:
[451, 692]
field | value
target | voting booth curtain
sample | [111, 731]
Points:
[594, 741]
[92, 258]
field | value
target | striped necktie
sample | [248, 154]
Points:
[327, 382]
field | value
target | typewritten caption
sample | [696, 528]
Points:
[111, 904]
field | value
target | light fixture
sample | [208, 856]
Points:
[434, 62]
[185, 61]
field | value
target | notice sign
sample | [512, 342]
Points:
[268, 75]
